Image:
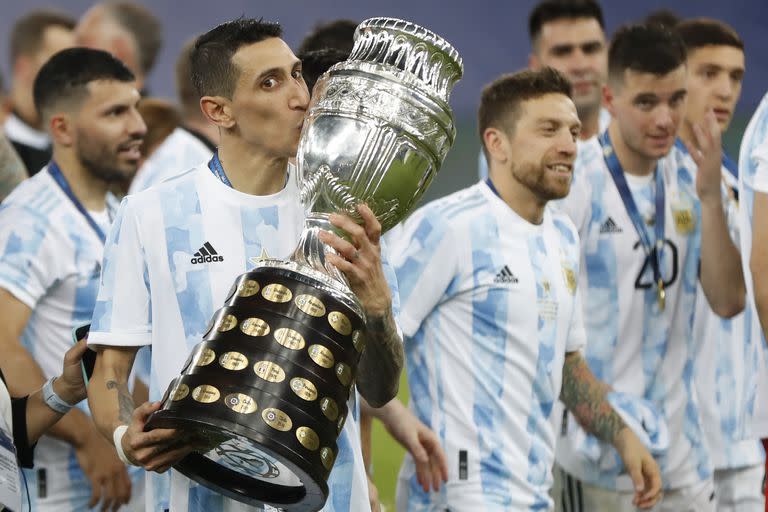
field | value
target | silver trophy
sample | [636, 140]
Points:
[270, 381]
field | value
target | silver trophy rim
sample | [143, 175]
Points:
[413, 29]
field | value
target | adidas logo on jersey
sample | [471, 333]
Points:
[505, 276]
[206, 254]
[610, 226]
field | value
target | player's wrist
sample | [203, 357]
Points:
[117, 437]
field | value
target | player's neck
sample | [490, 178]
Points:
[200, 125]
[519, 197]
[590, 123]
[631, 161]
[250, 171]
[89, 190]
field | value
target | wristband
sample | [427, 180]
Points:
[53, 400]
[117, 438]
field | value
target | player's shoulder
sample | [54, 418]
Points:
[35, 200]
[563, 224]
[454, 209]
[172, 187]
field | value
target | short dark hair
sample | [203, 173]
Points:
[646, 49]
[66, 75]
[316, 62]
[27, 33]
[144, 27]
[699, 32]
[213, 72]
[337, 34]
[553, 10]
[664, 17]
[501, 100]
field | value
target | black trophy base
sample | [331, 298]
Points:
[267, 388]
[309, 496]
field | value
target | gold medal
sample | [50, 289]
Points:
[661, 294]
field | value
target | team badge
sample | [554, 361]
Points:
[683, 215]
[570, 279]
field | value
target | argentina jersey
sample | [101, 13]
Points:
[50, 260]
[174, 252]
[726, 369]
[489, 307]
[753, 177]
[635, 345]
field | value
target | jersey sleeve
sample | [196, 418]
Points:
[759, 157]
[424, 259]
[577, 334]
[30, 254]
[122, 316]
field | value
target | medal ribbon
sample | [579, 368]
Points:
[216, 168]
[59, 178]
[617, 173]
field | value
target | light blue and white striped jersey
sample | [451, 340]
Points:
[50, 260]
[753, 177]
[489, 309]
[152, 292]
[633, 345]
[178, 153]
[482, 164]
[725, 366]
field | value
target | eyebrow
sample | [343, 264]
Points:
[276, 70]
[570, 46]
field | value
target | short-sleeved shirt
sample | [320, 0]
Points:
[155, 292]
[753, 177]
[489, 309]
[50, 260]
[726, 369]
[634, 345]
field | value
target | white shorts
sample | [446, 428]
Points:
[572, 495]
[740, 490]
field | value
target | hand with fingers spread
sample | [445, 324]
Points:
[642, 469]
[159, 449]
[360, 259]
[708, 155]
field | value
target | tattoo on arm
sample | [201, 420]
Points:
[379, 372]
[124, 400]
[585, 396]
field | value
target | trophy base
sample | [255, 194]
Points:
[267, 388]
[267, 476]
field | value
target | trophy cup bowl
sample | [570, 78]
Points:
[268, 387]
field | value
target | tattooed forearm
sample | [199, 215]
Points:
[378, 375]
[124, 400]
[585, 396]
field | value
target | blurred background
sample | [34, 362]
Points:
[492, 39]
